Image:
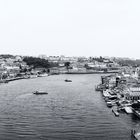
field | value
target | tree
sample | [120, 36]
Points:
[67, 64]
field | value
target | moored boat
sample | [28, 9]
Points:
[136, 109]
[128, 110]
[40, 92]
[135, 134]
[109, 104]
[137, 113]
[100, 87]
[116, 113]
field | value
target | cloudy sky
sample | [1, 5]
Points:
[70, 27]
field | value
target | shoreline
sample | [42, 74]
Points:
[70, 73]
[89, 72]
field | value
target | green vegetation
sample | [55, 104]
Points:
[67, 65]
[129, 62]
[38, 62]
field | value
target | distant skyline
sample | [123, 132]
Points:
[71, 28]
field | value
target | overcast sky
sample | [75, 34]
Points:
[70, 27]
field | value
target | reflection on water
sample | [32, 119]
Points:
[71, 111]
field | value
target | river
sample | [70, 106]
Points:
[71, 111]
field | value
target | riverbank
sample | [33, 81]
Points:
[98, 72]
[22, 77]
[91, 72]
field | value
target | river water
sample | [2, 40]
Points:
[71, 111]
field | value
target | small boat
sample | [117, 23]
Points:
[68, 80]
[100, 87]
[40, 92]
[110, 103]
[135, 134]
[116, 113]
[128, 110]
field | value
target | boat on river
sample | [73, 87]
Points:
[40, 92]
[136, 109]
[128, 110]
[135, 134]
[109, 104]
[67, 80]
[116, 113]
[137, 113]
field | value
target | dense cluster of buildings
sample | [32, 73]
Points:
[10, 67]
[13, 65]
[83, 64]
